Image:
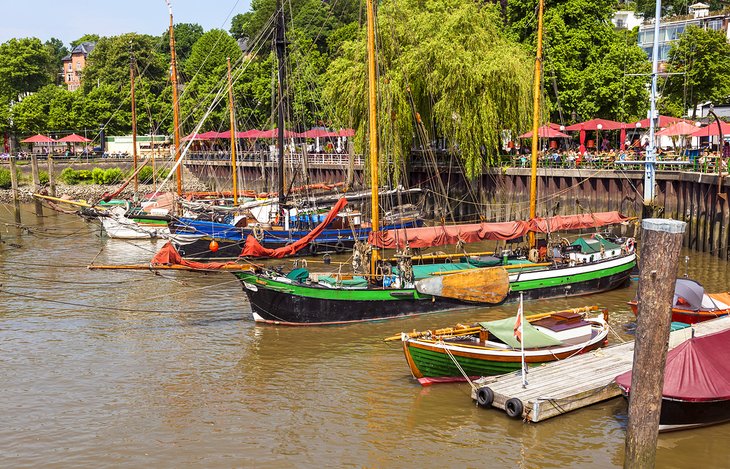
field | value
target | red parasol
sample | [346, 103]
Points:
[664, 121]
[318, 132]
[593, 124]
[74, 138]
[712, 130]
[677, 129]
[252, 134]
[38, 139]
[346, 133]
[546, 131]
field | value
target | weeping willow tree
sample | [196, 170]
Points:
[446, 62]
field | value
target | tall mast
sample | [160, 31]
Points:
[134, 118]
[175, 103]
[280, 55]
[373, 129]
[536, 121]
[233, 135]
[649, 168]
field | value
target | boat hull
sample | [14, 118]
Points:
[687, 316]
[282, 301]
[681, 415]
[430, 359]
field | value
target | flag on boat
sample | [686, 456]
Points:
[518, 323]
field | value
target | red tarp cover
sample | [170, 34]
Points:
[169, 256]
[451, 234]
[696, 370]
[253, 248]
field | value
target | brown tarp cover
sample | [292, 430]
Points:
[253, 248]
[430, 236]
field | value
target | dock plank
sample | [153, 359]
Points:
[559, 387]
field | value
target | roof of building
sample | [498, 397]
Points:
[83, 48]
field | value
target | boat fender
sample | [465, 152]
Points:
[313, 248]
[485, 397]
[630, 245]
[533, 255]
[339, 247]
[514, 408]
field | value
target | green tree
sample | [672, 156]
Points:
[450, 62]
[30, 115]
[698, 63]
[186, 35]
[57, 51]
[647, 8]
[24, 67]
[85, 38]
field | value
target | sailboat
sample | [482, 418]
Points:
[304, 298]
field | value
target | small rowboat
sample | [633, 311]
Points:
[692, 305]
[491, 348]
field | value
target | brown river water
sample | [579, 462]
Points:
[135, 369]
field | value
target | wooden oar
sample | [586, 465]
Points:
[488, 285]
[65, 201]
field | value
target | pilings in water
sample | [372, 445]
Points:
[36, 183]
[14, 186]
[661, 241]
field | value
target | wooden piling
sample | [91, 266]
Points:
[14, 186]
[661, 241]
[36, 183]
[51, 178]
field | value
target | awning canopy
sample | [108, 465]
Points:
[664, 122]
[318, 132]
[503, 329]
[39, 138]
[546, 131]
[594, 124]
[697, 370]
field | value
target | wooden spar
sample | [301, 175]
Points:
[535, 123]
[36, 183]
[134, 119]
[488, 285]
[281, 108]
[226, 268]
[14, 186]
[175, 105]
[233, 135]
[80, 203]
[464, 330]
[373, 130]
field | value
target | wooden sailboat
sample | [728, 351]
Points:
[301, 298]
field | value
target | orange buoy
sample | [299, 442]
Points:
[213, 246]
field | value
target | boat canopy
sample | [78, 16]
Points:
[430, 236]
[593, 245]
[688, 294]
[503, 329]
[697, 370]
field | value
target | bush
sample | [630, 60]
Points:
[163, 173]
[5, 179]
[69, 176]
[43, 177]
[84, 175]
[112, 176]
[145, 175]
[97, 176]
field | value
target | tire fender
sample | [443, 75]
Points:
[485, 397]
[514, 408]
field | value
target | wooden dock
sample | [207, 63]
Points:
[559, 387]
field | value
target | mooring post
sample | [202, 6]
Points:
[14, 186]
[51, 179]
[36, 183]
[661, 241]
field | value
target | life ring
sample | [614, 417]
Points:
[339, 247]
[514, 408]
[630, 245]
[485, 397]
[258, 232]
[533, 255]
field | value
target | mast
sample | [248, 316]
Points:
[134, 118]
[175, 103]
[280, 55]
[233, 135]
[649, 168]
[535, 122]
[373, 129]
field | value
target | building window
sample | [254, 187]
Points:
[70, 67]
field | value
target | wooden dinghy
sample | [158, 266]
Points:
[692, 304]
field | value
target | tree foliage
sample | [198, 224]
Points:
[446, 61]
[25, 66]
[85, 38]
[698, 63]
[647, 8]
[186, 35]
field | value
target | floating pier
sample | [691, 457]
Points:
[559, 387]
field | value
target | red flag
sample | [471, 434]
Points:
[518, 324]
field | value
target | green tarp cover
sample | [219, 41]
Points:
[354, 282]
[298, 275]
[504, 330]
[593, 245]
[423, 271]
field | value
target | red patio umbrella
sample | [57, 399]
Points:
[318, 132]
[664, 121]
[677, 129]
[273, 133]
[210, 135]
[594, 123]
[712, 130]
[252, 134]
[38, 139]
[74, 138]
[546, 131]
[346, 133]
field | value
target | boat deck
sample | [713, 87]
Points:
[559, 387]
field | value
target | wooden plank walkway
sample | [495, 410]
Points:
[559, 387]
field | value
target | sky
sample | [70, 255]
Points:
[68, 20]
